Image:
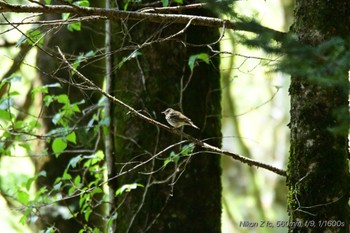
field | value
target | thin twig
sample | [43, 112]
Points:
[115, 14]
[198, 142]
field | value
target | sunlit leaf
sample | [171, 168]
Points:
[59, 145]
[77, 180]
[173, 157]
[187, 149]
[63, 99]
[65, 16]
[72, 137]
[201, 56]
[5, 115]
[83, 3]
[74, 26]
[23, 197]
[44, 89]
[32, 36]
[88, 211]
[127, 188]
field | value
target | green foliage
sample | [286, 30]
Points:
[22, 133]
[59, 145]
[76, 26]
[127, 188]
[186, 150]
[325, 63]
[201, 56]
[33, 36]
[134, 54]
[82, 58]
[165, 3]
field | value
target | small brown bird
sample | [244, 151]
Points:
[177, 119]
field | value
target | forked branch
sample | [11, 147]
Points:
[115, 14]
[198, 142]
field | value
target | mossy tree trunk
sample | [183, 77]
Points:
[72, 44]
[318, 172]
[184, 195]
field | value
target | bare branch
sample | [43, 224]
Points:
[198, 142]
[115, 14]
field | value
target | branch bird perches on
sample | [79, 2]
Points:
[196, 141]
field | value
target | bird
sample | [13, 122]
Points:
[177, 119]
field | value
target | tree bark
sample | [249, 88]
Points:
[318, 172]
[185, 195]
[73, 44]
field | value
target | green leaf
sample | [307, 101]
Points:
[179, 1]
[89, 54]
[32, 36]
[65, 16]
[165, 3]
[83, 3]
[81, 58]
[29, 183]
[173, 157]
[57, 117]
[73, 162]
[23, 197]
[74, 108]
[74, 26]
[26, 146]
[48, 99]
[66, 175]
[5, 115]
[77, 181]
[127, 188]
[88, 211]
[13, 78]
[50, 229]
[83, 200]
[128, 58]
[72, 137]
[187, 149]
[57, 186]
[48, 2]
[59, 145]
[96, 190]
[63, 99]
[23, 220]
[201, 56]
[44, 89]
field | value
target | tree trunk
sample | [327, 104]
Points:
[184, 195]
[72, 44]
[318, 172]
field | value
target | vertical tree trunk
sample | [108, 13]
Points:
[72, 44]
[185, 195]
[318, 172]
